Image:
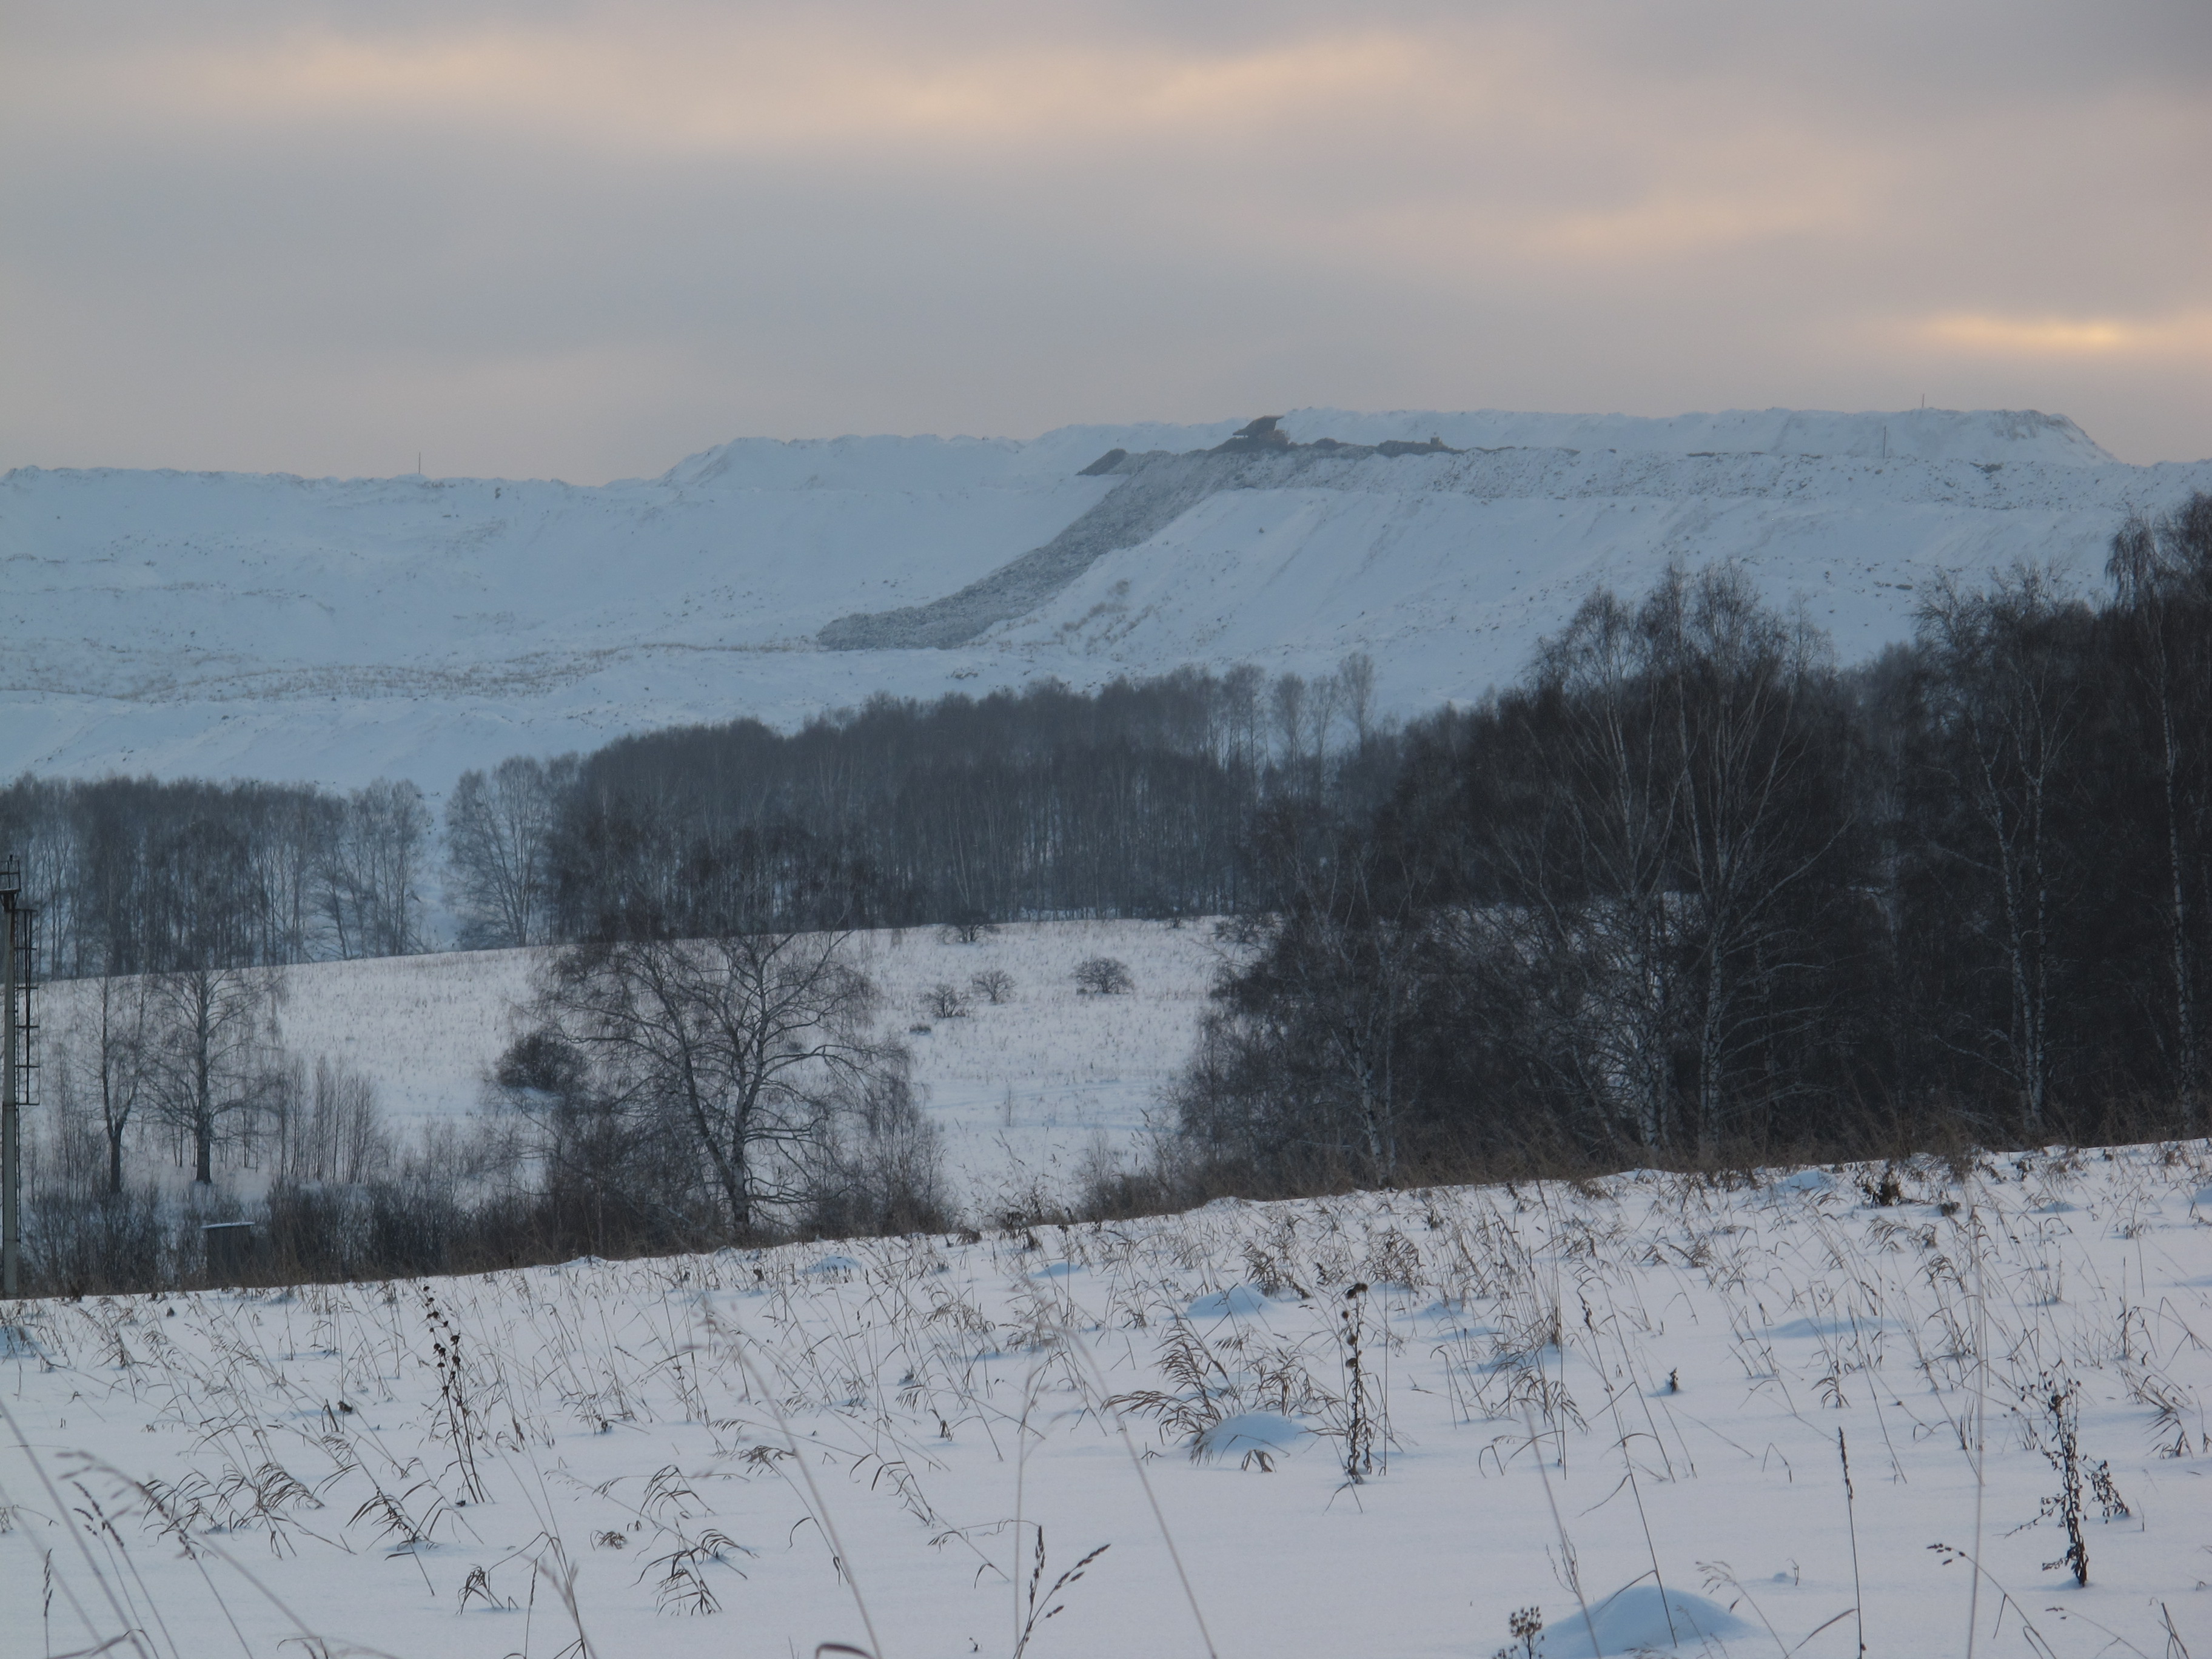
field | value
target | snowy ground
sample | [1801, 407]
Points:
[1641, 1383]
[224, 624]
[1021, 1090]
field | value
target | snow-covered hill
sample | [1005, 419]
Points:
[337, 630]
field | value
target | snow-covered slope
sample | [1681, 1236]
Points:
[1021, 1091]
[1668, 1414]
[242, 624]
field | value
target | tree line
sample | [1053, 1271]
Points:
[1135, 799]
[1689, 889]
[133, 876]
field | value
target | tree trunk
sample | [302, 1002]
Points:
[1709, 1064]
[202, 1109]
[2184, 995]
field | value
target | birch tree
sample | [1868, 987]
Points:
[2010, 699]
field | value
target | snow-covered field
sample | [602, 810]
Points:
[1021, 1090]
[1376, 1425]
[232, 624]
[1595, 1395]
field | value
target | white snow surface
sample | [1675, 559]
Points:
[231, 624]
[887, 1443]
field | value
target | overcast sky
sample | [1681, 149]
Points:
[582, 240]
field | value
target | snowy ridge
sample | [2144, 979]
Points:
[1927, 434]
[243, 624]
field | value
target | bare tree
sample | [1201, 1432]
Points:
[1243, 724]
[372, 871]
[752, 1042]
[969, 927]
[1326, 697]
[2011, 702]
[1590, 872]
[70, 1157]
[325, 1126]
[1356, 674]
[211, 1031]
[883, 1170]
[496, 831]
[115, 1054]
[1338, 979]
[1103, 977]
[1289, 707]
[2162, 571]
[1742, 686]
[610, 1169]
[993, 985]
[1680, 802]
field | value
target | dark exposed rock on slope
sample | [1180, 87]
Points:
[1156, 489]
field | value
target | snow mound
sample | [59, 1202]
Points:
[1806, 1180]
[1238, 1301]
[1824, 1329]
[1640, 1620]
[1251, 1432]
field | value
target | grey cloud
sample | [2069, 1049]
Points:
[326, 290]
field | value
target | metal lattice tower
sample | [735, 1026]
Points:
[18, 1066]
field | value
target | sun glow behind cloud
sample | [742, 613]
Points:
[244, 241]
[2070, 337]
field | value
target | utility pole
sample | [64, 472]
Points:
[14, 1066]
